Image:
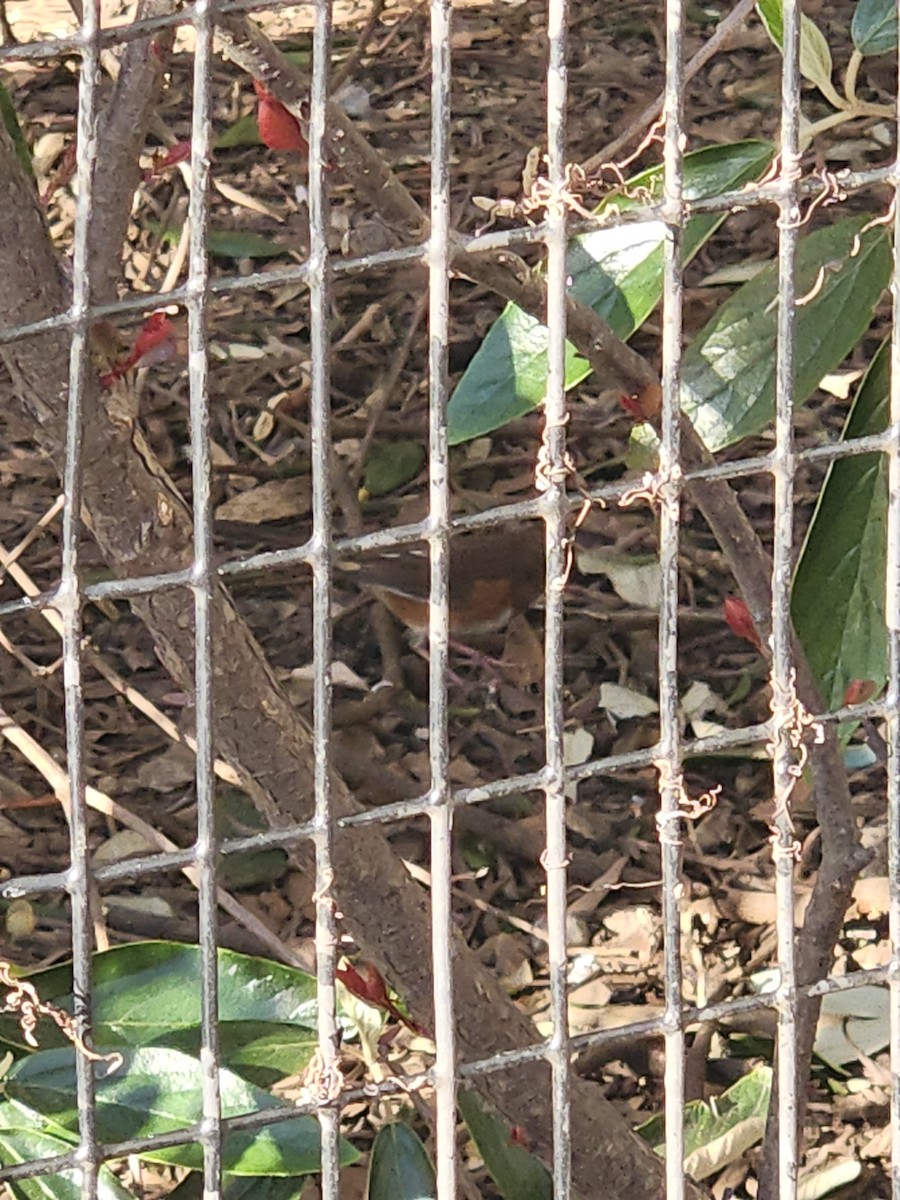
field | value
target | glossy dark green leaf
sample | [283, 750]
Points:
[616, 270]
[399, 1168]
[838, 600]
[517, 1174]
[26, 1136]
[874, 26]
[148, 991]
[159, 1090]
[238, 1187]
[264, 1052]
[728, 371]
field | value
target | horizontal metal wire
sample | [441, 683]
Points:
[726, 203]
[727, 741]
[399, 535]
[396, 1086]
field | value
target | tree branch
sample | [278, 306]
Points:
[121, 136]
[143, 526]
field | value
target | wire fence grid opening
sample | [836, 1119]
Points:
[254, 339]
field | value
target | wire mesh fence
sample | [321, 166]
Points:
[244, 732]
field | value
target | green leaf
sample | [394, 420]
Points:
[224, 243]
[244, 132]
[242, 243]
[149, 993]
[27, 1145]
[874, 26]
[399, 1168]
[237, 1187]
[517, 1174]
[815, 56]
[237, 816]
[390, 465]
[159, 1090]
[720, 1132]
[838, 600]
[617, 271]
[10, 119]
[26, 1135]
[146, 990]
[728, 371]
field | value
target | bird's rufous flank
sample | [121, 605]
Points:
[495, 574]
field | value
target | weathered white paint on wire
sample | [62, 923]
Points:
[204, 584]
[323, 543]
[782, 667]
[440, 809]
[70, 599]
[669, 762]
[441, 799]
[553, 479]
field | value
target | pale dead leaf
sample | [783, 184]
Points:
[341, 676]
[244, 200]
[635, 579]
[635, 930]
[872, 896]
[624, 703]
[272, 501]
[169, 770]
[758, 908]
[125, 843]
[577, 746]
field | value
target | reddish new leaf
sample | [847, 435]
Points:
[178, 153]
[371, 988]
[156, 342]
[860, 690]
[739, 621]
[278, 128]
[643, 405]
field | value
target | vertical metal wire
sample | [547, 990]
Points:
[552, 479]
[669, 762]
[782, 677]
[320, 439]
[203, 586]
[69, 595]
[892, 701]
[441, 813]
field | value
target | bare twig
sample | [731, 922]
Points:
[502, 271]
[34, 753]
[726, 30]
[346, 69]
[385, 390]
[138, 701]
